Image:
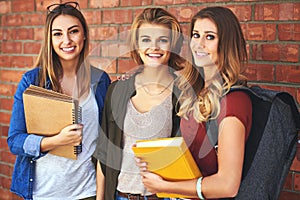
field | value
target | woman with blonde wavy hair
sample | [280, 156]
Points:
[218, 49]
[140, 107]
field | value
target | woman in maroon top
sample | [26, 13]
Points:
[219, 52]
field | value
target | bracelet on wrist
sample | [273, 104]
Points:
[198, 188]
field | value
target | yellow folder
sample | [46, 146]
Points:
[47, 112]
[170, 158]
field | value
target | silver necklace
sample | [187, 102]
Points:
[156, 94]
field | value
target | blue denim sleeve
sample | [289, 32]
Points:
[18, 139]
[101, 92]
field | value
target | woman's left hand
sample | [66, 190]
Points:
[153, 182]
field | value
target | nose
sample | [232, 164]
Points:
[154, 45]
[66, 39]
[202, 42]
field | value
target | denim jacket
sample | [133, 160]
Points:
[27, 147]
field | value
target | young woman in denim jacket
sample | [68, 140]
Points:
[219, 51]
[61, 66]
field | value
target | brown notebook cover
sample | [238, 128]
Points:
[47, 112]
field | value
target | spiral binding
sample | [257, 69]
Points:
[77, 119]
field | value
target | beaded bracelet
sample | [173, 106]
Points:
[198, 188]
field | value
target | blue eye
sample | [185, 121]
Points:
[146, 40]
[195, 35]
[164, 40]
[210, 37]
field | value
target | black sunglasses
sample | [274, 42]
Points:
[54, 7]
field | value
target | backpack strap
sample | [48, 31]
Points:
[95, 77]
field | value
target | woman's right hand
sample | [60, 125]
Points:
[69, 135]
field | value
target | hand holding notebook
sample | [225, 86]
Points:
[48, 113]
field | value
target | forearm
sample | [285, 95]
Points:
[100, 182]
[48, 143]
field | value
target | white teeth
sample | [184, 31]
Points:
[154, 55]
[68, 49]
[201, 54]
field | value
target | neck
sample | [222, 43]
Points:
[159, 74]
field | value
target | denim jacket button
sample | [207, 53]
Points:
[31, 180]
[31, 161]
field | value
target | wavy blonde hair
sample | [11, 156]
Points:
[158, 16]
[203, 99]
[49, 61]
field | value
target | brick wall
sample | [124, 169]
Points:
[271, 27]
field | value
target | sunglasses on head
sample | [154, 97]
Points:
[58, 6]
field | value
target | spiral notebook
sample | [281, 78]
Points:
[47, 112]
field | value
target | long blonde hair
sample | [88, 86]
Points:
[199, 99]
[49, 61]
[158, 16]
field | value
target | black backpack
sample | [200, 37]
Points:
[271, 146]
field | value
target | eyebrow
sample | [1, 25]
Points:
[205, 31]
[75, 26]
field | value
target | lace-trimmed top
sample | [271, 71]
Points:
[156, 123]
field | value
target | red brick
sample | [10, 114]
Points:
[7, 157]
[20, 6]
[13, 20]
[169, 2]
[11, 75]
[289, 32]
[5, 7]
[21, 62]
[5, 182]
[289, 53]
[126, 65]
[289, 74]
[7, 195]
[115, 49]
[117, 16]
[208, 1]
[31, 48]
[104, 33]
[260, 32]
[6, 169]
[35, 19]
[93, 17]
[3, 145]
[6, 103]
[243, 13]
[260, 72]
[295, 165]
[266, 12]
[297, 182]
[6, 34]
[288, 185]
[4, 117]
[285, 195]
[108, 65]
[5, 60]
[38, 34]
[104, 4]
[22, 33]
[11, 47]
[6, 90]
[289, 11]
[4, 130]
[183, 14]
[135, 2]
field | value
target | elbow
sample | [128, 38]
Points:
[231, 189]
